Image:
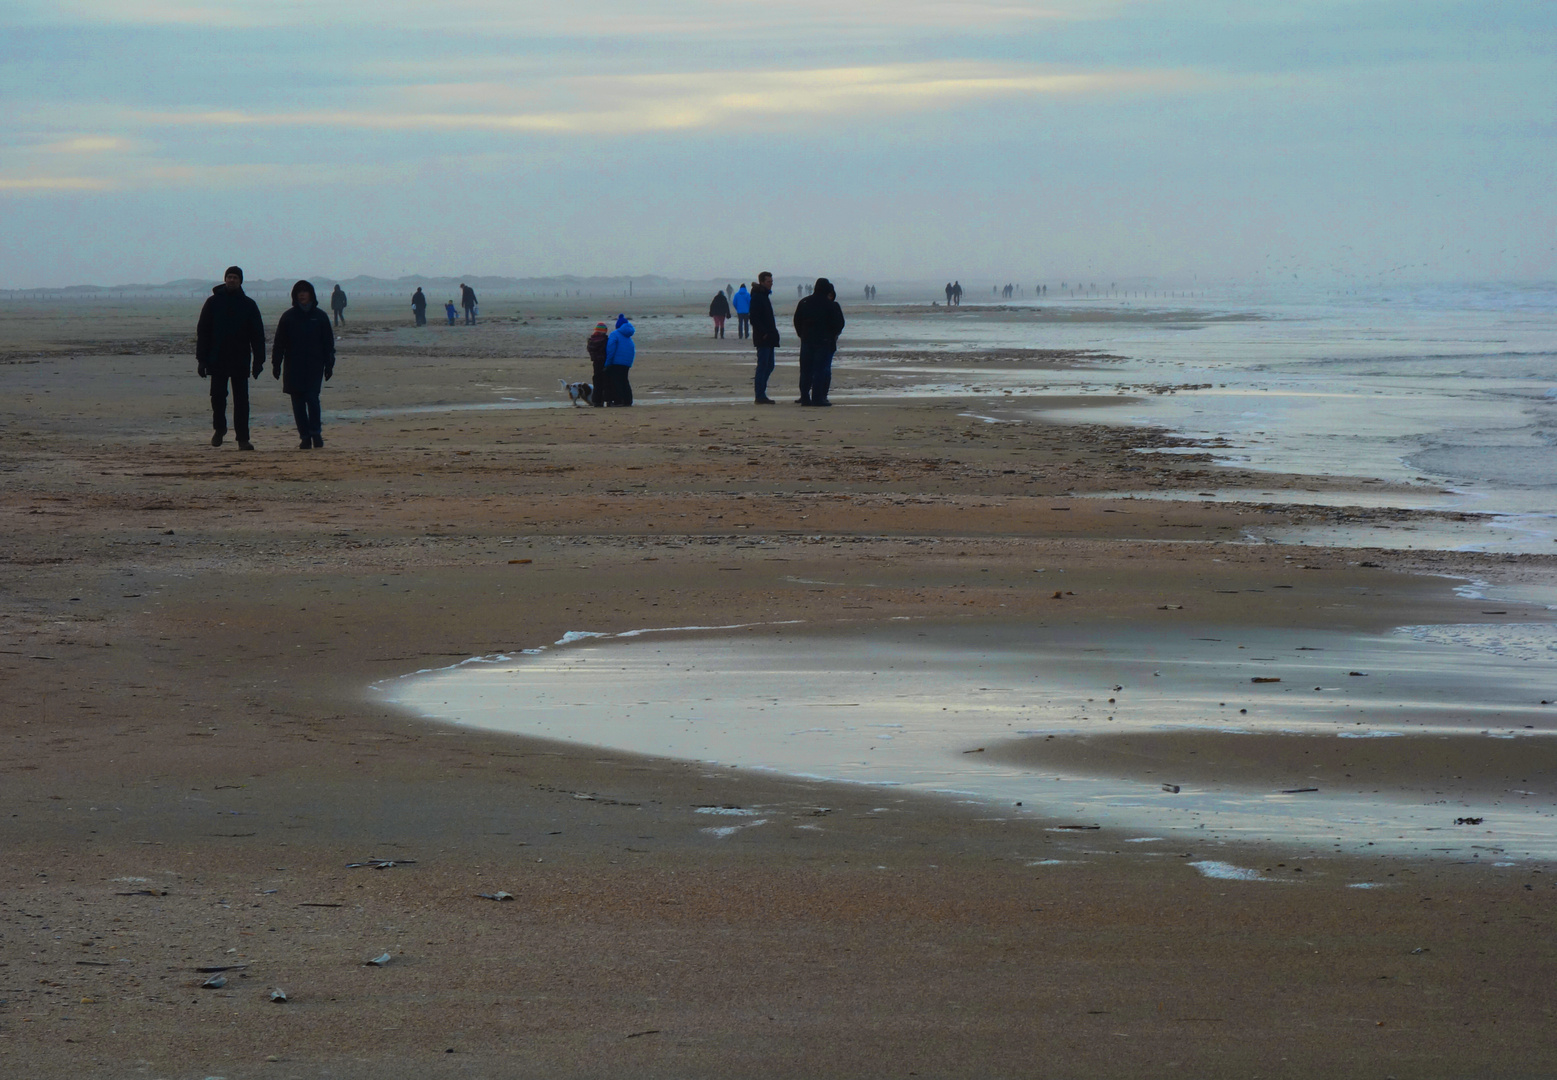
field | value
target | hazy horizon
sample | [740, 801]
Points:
[1332, 143]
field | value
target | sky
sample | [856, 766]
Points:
[1176, 142]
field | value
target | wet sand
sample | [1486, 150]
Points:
[193, 756]
[1453, 766]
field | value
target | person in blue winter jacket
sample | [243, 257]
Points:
[741, 302]
[620, 351]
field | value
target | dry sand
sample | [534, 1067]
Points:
[192, 760]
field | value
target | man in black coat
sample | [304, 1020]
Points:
[818, 322]
[468, 302]
[419, 306]
[303, 357]
[229, 334]
[764, 333]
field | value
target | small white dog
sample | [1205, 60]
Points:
[578, 392]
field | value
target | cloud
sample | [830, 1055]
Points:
[88, 144]
[48, 185]
[696, 100]
[587, 18]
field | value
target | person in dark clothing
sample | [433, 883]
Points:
[229, 336]
[338, 303]
[764, 333]
[719, 311]
[302, 356]
[818, 322]
[419, 306]
[468, 302]
[597, 358]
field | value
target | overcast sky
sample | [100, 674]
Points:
[1182, 140]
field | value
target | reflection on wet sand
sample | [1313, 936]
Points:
[1302, 738]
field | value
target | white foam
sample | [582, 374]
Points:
[1520, 641]
[689, 629]
[1227, 871]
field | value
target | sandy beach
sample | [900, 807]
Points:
[194, 758]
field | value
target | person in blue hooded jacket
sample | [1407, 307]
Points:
[741, 302]
[620, 351]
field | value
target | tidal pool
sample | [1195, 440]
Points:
[1305, 739]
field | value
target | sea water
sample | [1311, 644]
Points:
[1448, 390]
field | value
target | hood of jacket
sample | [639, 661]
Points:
[221, 290]
[624, 328]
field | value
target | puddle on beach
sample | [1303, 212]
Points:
[1401, 734]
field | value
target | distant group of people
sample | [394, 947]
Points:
[732, 301]
[954, 294]
[230, 349]
[467, 302]
[818, 321]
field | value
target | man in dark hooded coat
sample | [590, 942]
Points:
[229, 334]
[338, 303]
[419, 306]
[818, 322]
[303, 358]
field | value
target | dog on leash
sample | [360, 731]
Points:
[578, 392]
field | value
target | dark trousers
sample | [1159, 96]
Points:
[765, 363]
[240, 402]
[421, 316]
[598, 384]
[742, 325]
[470, 316]
[340, 317]
[816, 372]
[305, 410]
[618, 390]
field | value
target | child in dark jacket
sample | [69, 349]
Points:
[597, 358]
